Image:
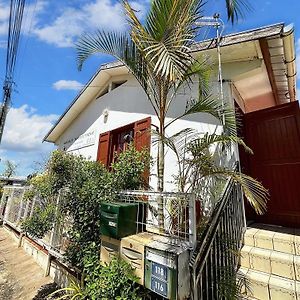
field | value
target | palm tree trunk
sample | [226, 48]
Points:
[161, 166]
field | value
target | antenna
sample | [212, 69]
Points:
[216, 22]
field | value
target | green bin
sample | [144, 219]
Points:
[118, 220]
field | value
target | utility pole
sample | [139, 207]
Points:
[14, 31]
[4, 106]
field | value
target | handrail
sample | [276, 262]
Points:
[211, 226]
[210, 256]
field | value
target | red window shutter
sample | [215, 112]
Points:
[103, 148]
[142, 135]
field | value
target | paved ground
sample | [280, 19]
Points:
[20, 277]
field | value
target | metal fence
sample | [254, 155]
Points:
[178, 214]
[215, 260]
[170, 214]
[15, 207]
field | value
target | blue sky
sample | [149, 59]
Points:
[46, 76]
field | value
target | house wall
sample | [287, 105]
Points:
[127, 104]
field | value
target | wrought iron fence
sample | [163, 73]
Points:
[214, 262]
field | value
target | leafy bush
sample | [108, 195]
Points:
[115, 280]
[83, 185]
[40, 222]
[130, 169]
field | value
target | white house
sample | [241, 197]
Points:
[258, 72]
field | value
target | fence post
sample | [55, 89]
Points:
[192, 221]
[55, 226]
[21, 203]
[8, 205]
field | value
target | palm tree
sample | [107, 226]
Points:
[199, 166]
[158, 54]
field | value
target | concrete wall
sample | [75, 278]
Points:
[127, 104]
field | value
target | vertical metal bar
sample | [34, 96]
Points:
[192, 221]
[212, 268]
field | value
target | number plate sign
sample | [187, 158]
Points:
[160, 271]
[112, 224]
[158, 286]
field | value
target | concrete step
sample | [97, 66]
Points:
[271, 261]
[273, 238]
[264, 286]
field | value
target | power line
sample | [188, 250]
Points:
[14, 29]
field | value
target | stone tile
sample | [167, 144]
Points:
[264, 239]
[249, 236]
[284, 243]
[245, 258]
[260, 260]
[297, 289]
[282, 288]
[297, 267]
[297, 244]
[282, 264]
[259, 284]
[243, 272]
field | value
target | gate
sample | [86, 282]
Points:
[274, 136]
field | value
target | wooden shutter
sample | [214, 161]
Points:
[104, 148]
[142, 135]
[142, 139]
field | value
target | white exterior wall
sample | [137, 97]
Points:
[127, 104]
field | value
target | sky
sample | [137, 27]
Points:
[46, 76]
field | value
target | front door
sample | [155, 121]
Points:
[274, 136]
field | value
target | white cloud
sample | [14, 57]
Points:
[70, 22]
[24, 130]
[69, 25]
[67, 85]
[30, 16]
[4, 15]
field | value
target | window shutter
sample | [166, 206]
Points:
[142, 135]
[103, 148]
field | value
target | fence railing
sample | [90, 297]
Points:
[214, 262]
[15, 208]
[178, 214]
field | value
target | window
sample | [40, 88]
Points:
[115, 141]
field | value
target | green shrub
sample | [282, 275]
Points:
[130, 168]
[41, 221]
[84, 185]
[115, 280]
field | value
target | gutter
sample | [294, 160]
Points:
[288, 38]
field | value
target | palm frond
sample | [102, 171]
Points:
[256, 194]
[210, 105]
[200, 144]
[167, 35]
[123, 49]
[177, 142]
[236, 8]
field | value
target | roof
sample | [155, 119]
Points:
[107, 70]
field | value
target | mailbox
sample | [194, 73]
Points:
[109, 248]
[133, 251]
[118, 219]
[167, 270]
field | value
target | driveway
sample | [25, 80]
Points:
[21, 278]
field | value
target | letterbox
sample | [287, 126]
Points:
[133, 251]
[118, 219]
[167, 270]
[109, 248]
